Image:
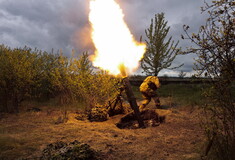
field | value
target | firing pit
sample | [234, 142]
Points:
[150, 117]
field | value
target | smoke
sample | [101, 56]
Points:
[82, 39]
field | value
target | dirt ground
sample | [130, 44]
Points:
[25, 135]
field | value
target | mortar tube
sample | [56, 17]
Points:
[130, 96]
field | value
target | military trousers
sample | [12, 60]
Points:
[147, 98]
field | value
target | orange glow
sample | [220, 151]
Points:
[114, 43]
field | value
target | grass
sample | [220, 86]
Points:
[175, 94]
[180, 94]
[26, 134]
[183, 94]
[9, 142]
[53, 104]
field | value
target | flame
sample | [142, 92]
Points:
[115, 45]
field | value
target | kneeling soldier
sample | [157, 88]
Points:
[148, 89]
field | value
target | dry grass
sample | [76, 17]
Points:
[26, 134]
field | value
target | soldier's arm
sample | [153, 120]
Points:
[156, 82]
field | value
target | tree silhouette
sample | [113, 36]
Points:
[214, 45]
[160, 52]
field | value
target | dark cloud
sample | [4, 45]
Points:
[42, 24]
[177, 13]
[64, 25]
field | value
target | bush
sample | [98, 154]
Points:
[73, 151]
[26, 74]
[18, 72]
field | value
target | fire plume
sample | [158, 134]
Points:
[114, 43]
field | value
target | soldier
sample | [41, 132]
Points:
[148, 89]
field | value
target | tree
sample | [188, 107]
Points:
[27, 74]
[47, 64]
[160, 52]
[17, 72]
[215, 48]
[94, 87]
[182, 74]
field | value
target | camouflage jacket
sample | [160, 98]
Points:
[150, 84]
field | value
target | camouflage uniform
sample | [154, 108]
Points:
[148, 89]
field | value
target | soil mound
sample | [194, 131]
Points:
[72, 151]
[150, 117]
[102, 113]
